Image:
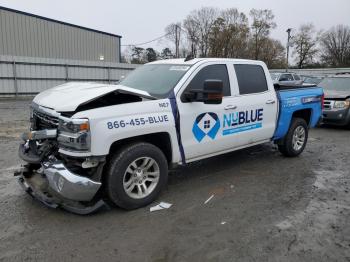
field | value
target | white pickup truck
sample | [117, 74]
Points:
[94, 143]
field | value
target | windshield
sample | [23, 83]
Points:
[156, 79]
[312, 80]
[336, 84]
[274, 76]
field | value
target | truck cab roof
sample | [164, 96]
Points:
[190, 62]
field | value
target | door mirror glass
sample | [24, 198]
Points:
[213, 91]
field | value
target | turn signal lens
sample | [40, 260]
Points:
[84, 126]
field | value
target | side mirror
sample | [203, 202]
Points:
[211, 93]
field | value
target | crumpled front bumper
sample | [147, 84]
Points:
[68, 184]
[55, 186]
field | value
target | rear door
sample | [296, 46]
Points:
[252, 114]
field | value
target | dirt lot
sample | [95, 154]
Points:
[265, 208]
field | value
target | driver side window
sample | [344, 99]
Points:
[211, 72]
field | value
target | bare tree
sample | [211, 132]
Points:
[173, 32]
[192, 33]
[261, 26]
[273, 53]
[229, 34]
[202, 21]
[336, 46]
[305, 44]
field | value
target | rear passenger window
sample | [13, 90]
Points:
[217, 72]
[251, 79]
[296, 77]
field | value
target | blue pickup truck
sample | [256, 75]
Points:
[91, 141]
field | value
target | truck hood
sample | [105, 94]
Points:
[67, 97]
[328, 94]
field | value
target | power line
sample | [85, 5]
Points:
[158, 38]
[150, 41]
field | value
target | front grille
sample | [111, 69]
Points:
[44, 121]
[327, 104]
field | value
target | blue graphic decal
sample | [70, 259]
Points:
[242, 121]
[206, 124]
[241, 129]
[174, 109]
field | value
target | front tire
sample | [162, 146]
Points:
[136, 175]
[295, 140]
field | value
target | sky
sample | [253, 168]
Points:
[141, 21]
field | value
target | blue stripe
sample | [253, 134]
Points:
[176, 115]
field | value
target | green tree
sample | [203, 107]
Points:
[151, 54]
[166, 53]
[137, 56]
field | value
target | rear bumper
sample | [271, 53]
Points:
[339, 117]
[55, 186]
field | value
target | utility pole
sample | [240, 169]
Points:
[288, 44]
[176, 43]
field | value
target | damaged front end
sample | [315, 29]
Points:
[54, 178]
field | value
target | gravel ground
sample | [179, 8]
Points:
[265, 208]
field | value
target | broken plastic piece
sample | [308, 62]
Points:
[160, 206]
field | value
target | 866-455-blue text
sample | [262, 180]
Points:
[137, 121]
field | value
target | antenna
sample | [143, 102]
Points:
[189, 57]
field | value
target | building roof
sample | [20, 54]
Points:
[57, 21]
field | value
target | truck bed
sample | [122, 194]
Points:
[297, 100]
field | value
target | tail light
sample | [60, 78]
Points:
[322, 101]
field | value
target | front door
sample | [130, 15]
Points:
[200, 123]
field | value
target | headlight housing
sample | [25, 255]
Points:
[74, 134]
[341, 104]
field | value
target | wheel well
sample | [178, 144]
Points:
[304, 114]
[160, 140]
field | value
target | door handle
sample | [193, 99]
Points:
[230, 107]
[270, 101]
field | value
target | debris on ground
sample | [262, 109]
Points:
[160, 206]
[206, 201]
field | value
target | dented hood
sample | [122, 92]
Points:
[67, 97]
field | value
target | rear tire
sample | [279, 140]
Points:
[295, 140]
[136, 175]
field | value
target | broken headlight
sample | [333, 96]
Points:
[74, 134]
